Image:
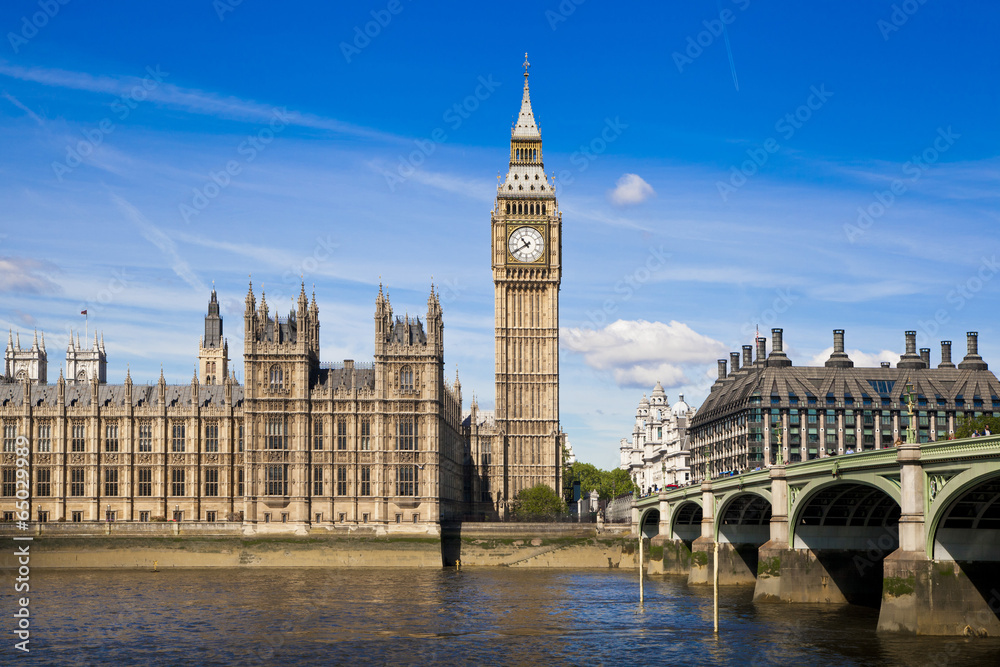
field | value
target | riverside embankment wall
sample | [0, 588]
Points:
[221, 545]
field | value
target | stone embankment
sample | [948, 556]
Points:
[221, 545]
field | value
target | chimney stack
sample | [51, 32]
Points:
[761, 350]
[910, 358]
[722, 369]
[747, 356]
[972, 360]
[734, 362]
[925, 354]
[946, 355]
[777, 356]
[839, 359]
[885, 364]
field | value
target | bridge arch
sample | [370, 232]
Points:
[860, 512]
[744, 517]
[685, 521]
[649, 522]
[963, 521]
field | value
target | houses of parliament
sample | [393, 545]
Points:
[304, 443]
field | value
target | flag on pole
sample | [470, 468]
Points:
[83, 312]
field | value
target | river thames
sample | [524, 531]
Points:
[473, 616]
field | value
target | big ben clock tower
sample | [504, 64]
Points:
[526, 230]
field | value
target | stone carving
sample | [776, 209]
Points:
[43, 458]
[110, 458]
[76, 458]
[934, 485]
[144, 458]
[8, 459]
[177, 459]
[793, 493]
[212, 458]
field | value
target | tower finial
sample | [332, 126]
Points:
[526, 65]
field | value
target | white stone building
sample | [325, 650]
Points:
[657, 455]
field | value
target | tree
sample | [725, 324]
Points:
[966, 426]
[539, 503]
[608, 483]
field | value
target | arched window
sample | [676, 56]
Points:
[277, 378]
[543, 209]
[508, 207]
[406, 379]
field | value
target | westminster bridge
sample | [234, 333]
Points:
[914, 530]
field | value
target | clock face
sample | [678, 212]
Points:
[526, 244]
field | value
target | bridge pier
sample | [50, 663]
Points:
[703, 547]
[928, 597]
[933, 597]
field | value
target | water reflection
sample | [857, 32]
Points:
[476, 616]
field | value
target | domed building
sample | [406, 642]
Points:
[657, 455]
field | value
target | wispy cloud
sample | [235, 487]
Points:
[16, 102]
[24, 274]
[158, 238]
[190, 100]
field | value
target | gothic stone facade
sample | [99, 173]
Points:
[301, 444]
[767, 411]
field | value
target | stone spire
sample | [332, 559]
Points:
[34, 343]
[525, 127]
[43, 341]
[251, 302]
[10, 339]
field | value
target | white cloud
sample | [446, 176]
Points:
[631, 189]
[638, 353]
[860, 359]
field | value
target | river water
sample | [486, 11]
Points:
[475, 616]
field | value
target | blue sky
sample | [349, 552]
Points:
[713, 160]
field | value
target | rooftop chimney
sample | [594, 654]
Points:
[972, 360]
[747, 356]
[925, 354]
[885, 364]
[734, 361]
[761, 350]
[946, 355]
[910, 358]
[722, 369]
[777, 356]
[839, 358]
